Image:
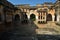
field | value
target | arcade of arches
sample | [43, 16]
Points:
[42, 17]
[39, 14]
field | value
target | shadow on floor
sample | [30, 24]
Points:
[26, 31]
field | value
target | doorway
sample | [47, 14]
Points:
[32, 17]
[17, 17]
[49, 17]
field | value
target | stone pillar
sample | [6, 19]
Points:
[45, 16]
[40, 16]
[36, 18]
[53, 18]
[28, 17]
[2, 13]
[57, 18]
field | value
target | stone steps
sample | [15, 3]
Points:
[49, 28]
[49, 31]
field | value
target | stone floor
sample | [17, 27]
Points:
[18, 31]
[50, 28]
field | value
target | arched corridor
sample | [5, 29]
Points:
[32, 17]
[49, 17]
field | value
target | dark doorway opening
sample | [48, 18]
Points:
[32, 17]
[25, 16]
[49, 17]
[17, 17]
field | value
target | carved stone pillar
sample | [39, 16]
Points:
[36, 17]
[28, 17]
[57, 18]
[53, 18]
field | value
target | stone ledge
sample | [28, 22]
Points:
[47, 32]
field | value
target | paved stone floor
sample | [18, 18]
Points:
[18, 31]
[50, 28]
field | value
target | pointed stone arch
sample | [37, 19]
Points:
[32, 17]
[49, 17]
[17, 17]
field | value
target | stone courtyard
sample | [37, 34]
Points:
[26, 22]
[31, 31]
